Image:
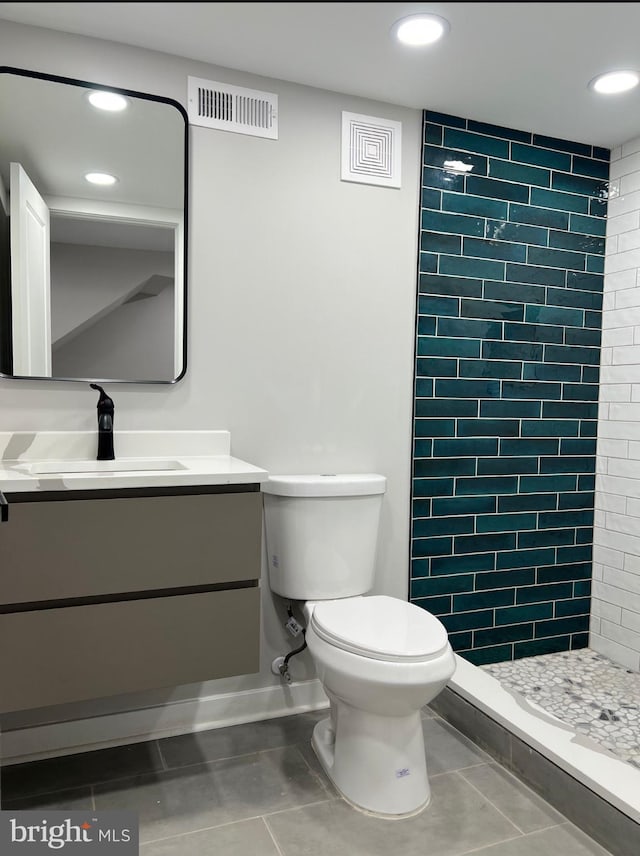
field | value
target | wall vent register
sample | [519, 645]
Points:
[232, 108]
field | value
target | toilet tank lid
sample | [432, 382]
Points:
[326, 484]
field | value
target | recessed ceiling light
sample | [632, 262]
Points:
[419, 30]
[100, 178]
[615, 81]
[110, 101]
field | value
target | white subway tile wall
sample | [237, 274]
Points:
[615, 627]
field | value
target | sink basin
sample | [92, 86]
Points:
[128, 465]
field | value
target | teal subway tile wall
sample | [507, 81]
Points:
[507, 362]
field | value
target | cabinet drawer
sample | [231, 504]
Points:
[87, 548]
[54, 656]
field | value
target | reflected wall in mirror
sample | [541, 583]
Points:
[93, 277]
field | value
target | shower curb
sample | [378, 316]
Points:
[605, 823]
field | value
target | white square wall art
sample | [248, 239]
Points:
[371, 150]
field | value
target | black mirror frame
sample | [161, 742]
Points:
[5, 310]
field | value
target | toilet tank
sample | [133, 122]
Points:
[321, 533]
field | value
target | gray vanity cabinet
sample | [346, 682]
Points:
[119, 592]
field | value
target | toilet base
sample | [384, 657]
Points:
[376, 762]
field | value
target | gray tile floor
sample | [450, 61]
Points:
[257, 790]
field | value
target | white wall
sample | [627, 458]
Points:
[86, 280]
[134, 340]
[95, 333]
[615, 628]
[302, 302]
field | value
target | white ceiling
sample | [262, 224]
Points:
[523, 65]
[104, 233]
[52, 130]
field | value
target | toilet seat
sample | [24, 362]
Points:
[380, 628]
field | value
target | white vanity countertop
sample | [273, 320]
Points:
[66, 460]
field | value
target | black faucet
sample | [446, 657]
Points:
[105, 425]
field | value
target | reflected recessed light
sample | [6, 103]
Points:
[615, 81]
[457, 166]
[110, 101]
[103, 178]
[419, 30]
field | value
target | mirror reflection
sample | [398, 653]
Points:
[92, 232]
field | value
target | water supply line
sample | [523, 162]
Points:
[280, 665]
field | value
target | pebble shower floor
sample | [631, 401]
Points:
[584, 689]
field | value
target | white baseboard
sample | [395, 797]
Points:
[136, 726]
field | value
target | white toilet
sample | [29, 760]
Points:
[379, 659]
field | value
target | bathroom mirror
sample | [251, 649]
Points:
[93, 231]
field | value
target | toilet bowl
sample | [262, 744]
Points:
[379, 659]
